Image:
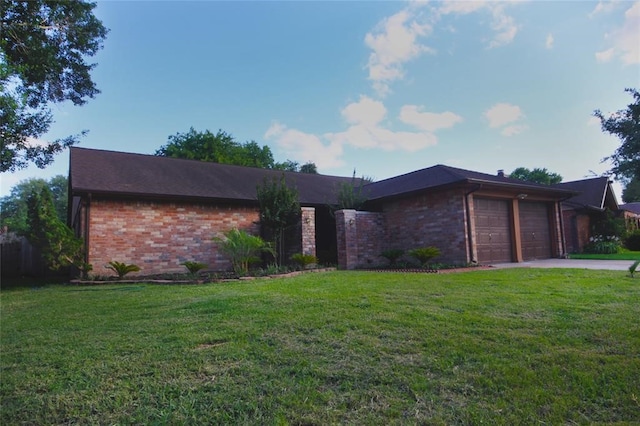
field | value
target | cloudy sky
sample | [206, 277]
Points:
[384, 88]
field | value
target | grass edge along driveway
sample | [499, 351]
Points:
[517, 346]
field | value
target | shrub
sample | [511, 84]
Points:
[304, 260]
[632, 242]
[193, 267]
[392, 255]
[242, 249]
[122, 269]
[424, 254]
[602, 245]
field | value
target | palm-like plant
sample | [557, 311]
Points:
[121, 268]
[242, 249]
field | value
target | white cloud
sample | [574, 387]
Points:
[549, 42]
[502, 114]
[602, 7]
[514, 130]
[393, 43]
[504, 26]
[366, 130]
[305, 146]
[428, 121]
[624, 41]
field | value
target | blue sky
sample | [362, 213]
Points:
[384, 88]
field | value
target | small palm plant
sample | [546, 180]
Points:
[121, 268]
[424, 254]
[242, 249]
[392, 255]
[193, 267]
[304, 260]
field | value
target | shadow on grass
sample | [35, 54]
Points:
[15, 283]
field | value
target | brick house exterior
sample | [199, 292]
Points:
[594, 199]
[158, 212]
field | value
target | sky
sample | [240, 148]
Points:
[382, 88]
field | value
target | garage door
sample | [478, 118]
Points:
[534, 230]
[493, 230]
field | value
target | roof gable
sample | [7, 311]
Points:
[592, 193]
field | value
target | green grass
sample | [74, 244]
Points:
[520, 346]
[626, 255]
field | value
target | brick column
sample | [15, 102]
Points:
[347, 238]
[309, 230]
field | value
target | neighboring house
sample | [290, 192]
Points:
[594, 198]
[158, 212]
[631, 214]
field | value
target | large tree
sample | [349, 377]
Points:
[13, 207]
[44, 45]
[625, 124]
[222, 147]
[631, 191]
[536, 175]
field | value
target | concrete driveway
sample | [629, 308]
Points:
[613, 265]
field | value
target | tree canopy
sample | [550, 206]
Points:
[537, 175]
[13, 210]
[631, 191]
[43, 48]
[222, 147]
[625, 124]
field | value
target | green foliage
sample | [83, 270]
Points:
[194, 267]
[304, 260]
[43, 46]
[609, 226]
[625, 124]
[223, 148]
[632, 240]
[633, 267]
[537, 175]
[13, 211]
[59, 246]
[121, 268]
[602, 245]
[392, 255]
[424, 254]
[631, 191]
[242, 249]
[351, 195]
[279, 210]
[309, 168]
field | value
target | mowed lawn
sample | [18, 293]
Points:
[518, 346]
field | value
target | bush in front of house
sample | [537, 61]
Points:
[392, 255]
[424, 254]
[194, 267]
[304, 260]
[632, 241]
[121, 268]
[242, 249]
[600, 244]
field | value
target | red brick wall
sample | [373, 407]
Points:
[159, 236]
[437, 219]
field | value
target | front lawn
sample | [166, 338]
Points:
[625, 255]
[516, 346]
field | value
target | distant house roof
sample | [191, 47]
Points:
[441, 176]
[594, 193]
[125, 174]
[631, 207]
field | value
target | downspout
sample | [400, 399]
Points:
[470, 236]
[563, 239]
[86, 229]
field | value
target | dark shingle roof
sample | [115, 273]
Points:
[593, 193]
[108, 172]
[631, 207]
[440, 175]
